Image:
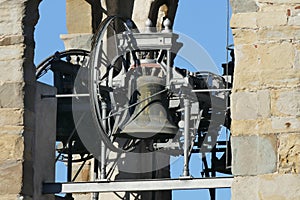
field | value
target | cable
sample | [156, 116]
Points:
[227, 66]
[227, 39]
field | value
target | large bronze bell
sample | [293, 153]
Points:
[150, 118]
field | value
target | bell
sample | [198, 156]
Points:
[150, 118]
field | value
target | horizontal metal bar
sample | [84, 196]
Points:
[63, 95]
[212, 90]
[138, 185]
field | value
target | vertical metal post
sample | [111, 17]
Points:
[69, 168]
[187, 111]
[95, 195]
[103, 148]
[169, 68]
[212, 191]
[102, 154]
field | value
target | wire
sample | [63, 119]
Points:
[227, 66]
[127, 107]
[227, 39]
[70, 137]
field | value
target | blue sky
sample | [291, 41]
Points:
[202, 20]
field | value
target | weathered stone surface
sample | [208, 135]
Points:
[279, 79]
[11, 70]
[10, 197]
[11, 177]
[11, 95]
[276, 56]
[85, 196]
[281, 187]
[11, 52]
[266, 187]
[264, 66]
[242, 81]
[6, 40]
[12, 148]
[269, 7]
[12, 117]
[294, 19]
[140, 13]
[261, 57]
[297, 57]
[285, 124]
[285, 102]
[253, 155]
[84, 174]
[244, 36]
[250, 105]
[266, 19]
[112, 196]
[79, 19]
[16, 52]
[245, 188]
[267, 53]
[278, 33]
[242, 6]
[244, 20]
[279, 1]
[263, 19]
[246, 58]
[11, 17]
[289, 153]
[251, 127]
[79, 41]
[265, 126]
[18, 130]
[255, 80]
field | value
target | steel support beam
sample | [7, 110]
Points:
[212, 90]
[137, 185]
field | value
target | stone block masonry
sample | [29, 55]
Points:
[265, 100]
[17, 88]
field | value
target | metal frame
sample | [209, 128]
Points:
[186, 182]
[137, 185]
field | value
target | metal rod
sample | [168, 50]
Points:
[187, 111]
[138, 185]
[103, 148]
[169, 68]
[95, 195]
[212, 191]
[212, 90]
[63, 95]
[69, 169]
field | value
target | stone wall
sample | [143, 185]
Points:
[17, 89]
[265, 99]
